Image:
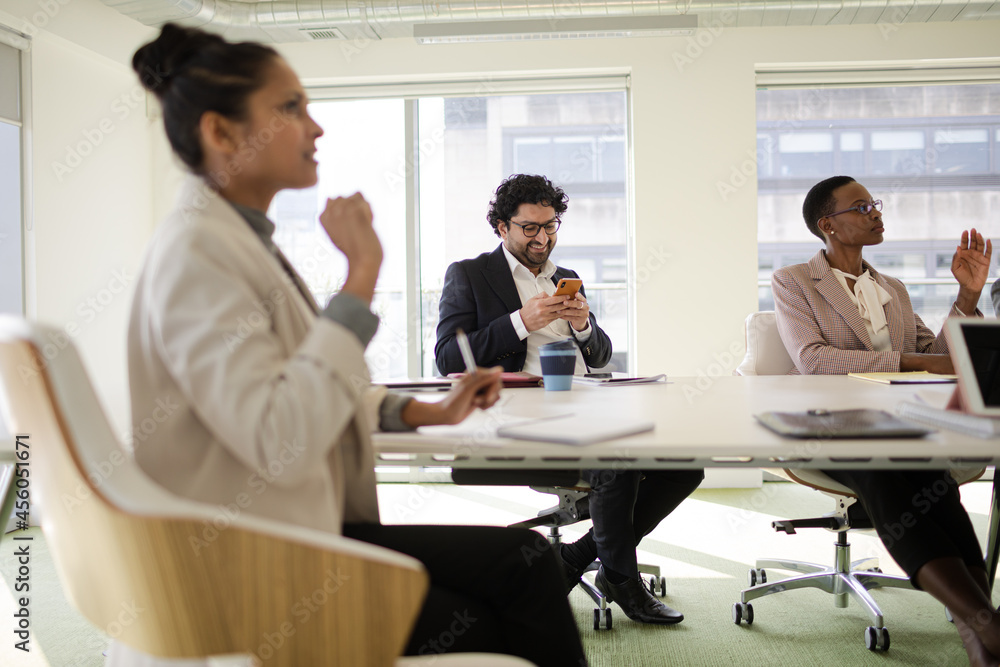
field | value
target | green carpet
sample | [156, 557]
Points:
[705, 548]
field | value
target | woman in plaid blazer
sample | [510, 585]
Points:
[836, 314]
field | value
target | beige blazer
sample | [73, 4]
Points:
[241, 396]
[824, 332]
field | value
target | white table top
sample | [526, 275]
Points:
[699, 422]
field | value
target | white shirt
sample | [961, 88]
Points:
[529, 285]
[870, 298]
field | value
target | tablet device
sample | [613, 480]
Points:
[824, 424]
[974, 345]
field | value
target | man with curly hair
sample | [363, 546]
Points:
[501, 299]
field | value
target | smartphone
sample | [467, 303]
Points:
[568, 286]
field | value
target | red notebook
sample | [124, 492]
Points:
[513, 380]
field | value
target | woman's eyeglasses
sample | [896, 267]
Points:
[863, 209]
[531, 229]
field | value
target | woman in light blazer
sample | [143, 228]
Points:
[837, 314]
[247, 393]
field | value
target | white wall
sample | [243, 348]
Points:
[693, 113]
[693, 123]
[91, 203]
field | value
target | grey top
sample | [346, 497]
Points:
[345, 309]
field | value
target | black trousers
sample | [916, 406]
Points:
[917, 513]
[624, 507]
[492, 590]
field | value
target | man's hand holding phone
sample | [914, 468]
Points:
[576, 310]
[541, 310]
[567, 303]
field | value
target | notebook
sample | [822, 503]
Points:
[575, 429]
[512, 380]
[836, 424]
[417, 384]
[913, 377]
[982, 427]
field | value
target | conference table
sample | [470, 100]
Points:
[698, 422]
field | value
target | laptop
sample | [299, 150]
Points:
[974, 344]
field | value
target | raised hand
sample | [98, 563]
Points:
[971, 263]
[348, 223]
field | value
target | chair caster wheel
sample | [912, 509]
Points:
[743, 611]
[755, 576]
[605, 621]
[652, 583]
[876, 639]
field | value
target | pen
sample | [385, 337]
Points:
[463, 345]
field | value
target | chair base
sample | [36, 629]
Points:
[845, 580]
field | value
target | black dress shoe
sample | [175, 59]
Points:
[571, 575]
[636, 601]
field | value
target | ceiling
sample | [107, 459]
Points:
[306, 20]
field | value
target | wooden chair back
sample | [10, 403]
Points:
[179, 579]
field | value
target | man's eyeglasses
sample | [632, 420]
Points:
[863, 209]
[531, 229]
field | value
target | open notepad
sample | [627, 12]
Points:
[574, 429]
[981, 427]
[564, 428]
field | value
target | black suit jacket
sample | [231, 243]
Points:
[479, 295]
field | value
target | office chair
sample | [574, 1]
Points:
[573, 507]
[118, 539]
[766, 355]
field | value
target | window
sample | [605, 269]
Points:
[11, 273]
[430, 201]
[937, 173]
[11, 180]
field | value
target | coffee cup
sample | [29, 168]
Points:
[558, 363]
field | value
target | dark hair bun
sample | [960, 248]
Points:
[192, 71]
[159, 62]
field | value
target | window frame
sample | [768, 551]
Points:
[410, 91]
[17, 40]
[815, 76]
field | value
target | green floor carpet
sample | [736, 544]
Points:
[795, 628]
